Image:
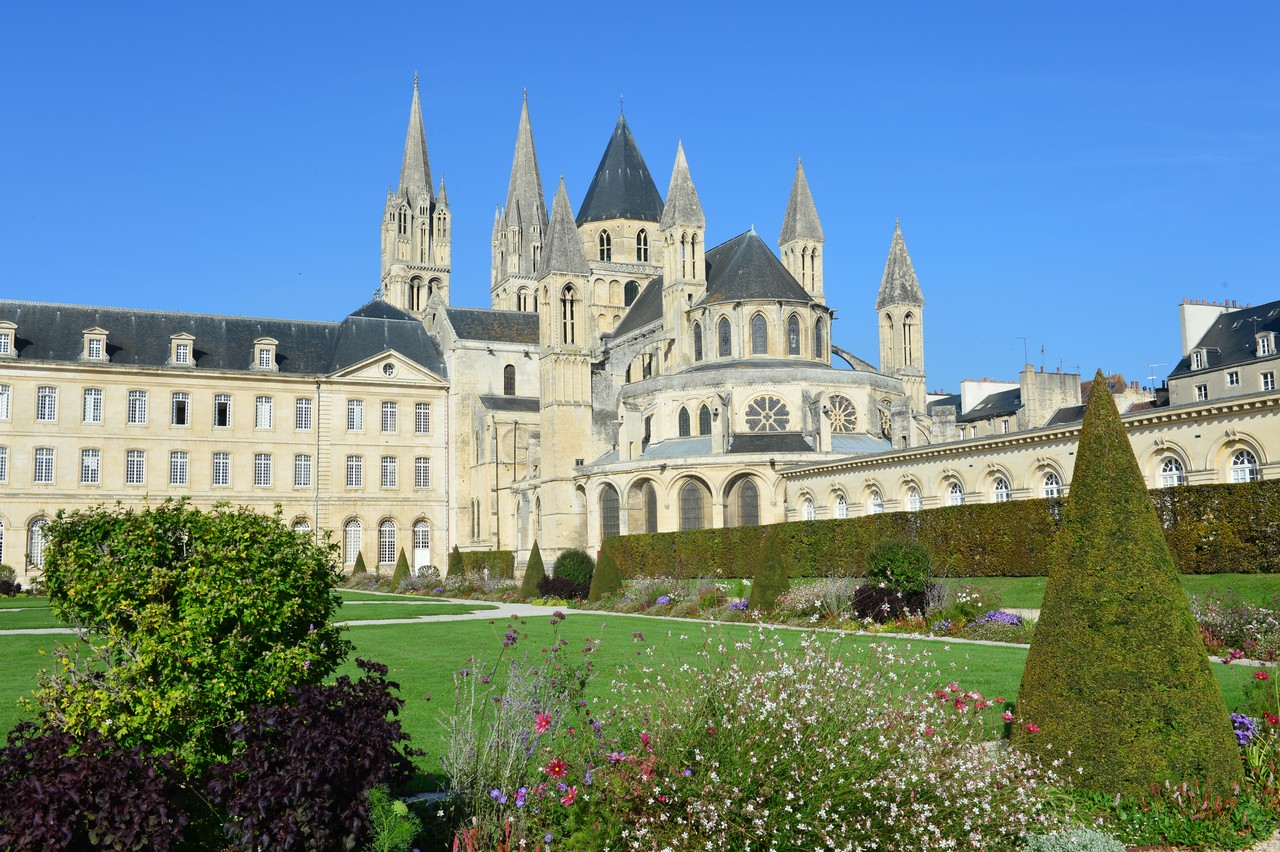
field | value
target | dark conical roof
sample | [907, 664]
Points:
[622, 187]
[744, 268]
[801, 221]
[899, 286]
[415, 169]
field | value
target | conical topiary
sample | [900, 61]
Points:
[455, 564]
[770, 580]
[402, 571]
[533, 574]
[605, 580]
[1117, 679]
[359, 566]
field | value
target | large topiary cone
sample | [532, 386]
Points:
[456, 570]
[770, 580]
[359, 568]
[605, 580]
[533, 574]
[402, 571]
[1117, 674]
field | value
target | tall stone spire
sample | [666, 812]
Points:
[525, 203]
[682, 206]
[415, 170]
[899, 286]
[520, 231]
[563, 246]
[801, 220]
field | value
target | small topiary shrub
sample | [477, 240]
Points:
[900, 564]
[9, 585]
[771, 576]
[534, 574]
[605, 580]
[577, 567]
[456, 568]
[401, 573]
[1074, 840]
[359, 568]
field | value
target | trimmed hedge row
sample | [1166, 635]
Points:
[1211, 529]
[501, 563]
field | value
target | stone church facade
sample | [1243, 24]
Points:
[627, 377]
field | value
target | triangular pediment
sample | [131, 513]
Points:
[402, 369]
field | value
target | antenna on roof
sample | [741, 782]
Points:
[620, 110]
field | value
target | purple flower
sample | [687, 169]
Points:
[687, 772]
[560, 615]
[638, 636]
[941, 626]
[1244, 728]
[998, 617]
[739, 606]
[510, 638]
[520, 795]
[662, 600]
[546, 838]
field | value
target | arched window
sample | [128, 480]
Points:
[629, 291]
[650, 508]
[387, 542]
[908, 339]
[726, 349]
[842, 507]
[421, 544]
[759, 335]
[37, 538]
[685, 428]
[606, 246]
[1001, 490]
[568, 307]
[691, 506]
[1052, 485]
[648, 431]
[748, 504]
[1244, 467]
[509, 380]
[610, 511]
[704, 421]
[913, 499]
[522, 299]
[886, 335]
[793, 335]
[351, 536]
[697, 341]
[642, 247]
[875, 504]
[302, 525]
[807, 511]
[1172, 473]
[955, 494]
[693, 256]
[820, 341]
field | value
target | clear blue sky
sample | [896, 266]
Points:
[1063, 173]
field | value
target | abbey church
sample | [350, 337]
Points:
[627, 377]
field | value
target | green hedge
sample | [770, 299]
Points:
[501, 563]
[1211, 529]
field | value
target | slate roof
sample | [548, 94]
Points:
[998, 404]
[496, 326]
[622, 187]
[675, 448]
[683, 206]
[744, 269]
[1230, 340]
[769, 442]
[52, 332]
[860, 443]
[951, 399]
[562, 250]
[801, 219]
[645, 309]
[529, 404]
[755, 363]
[1070, 414]
[899, 286]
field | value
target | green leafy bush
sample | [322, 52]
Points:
[573, 570]
[456, 567]
[9, 585]
[900, 564]
[534, 573]
[501, 564]
[1074, 840]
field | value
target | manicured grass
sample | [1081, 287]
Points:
[24, 602]
[1028, 592]
[397, 609]
[27, 617]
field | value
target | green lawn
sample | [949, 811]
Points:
[1028, 592]
[399, 609]
[26, 617]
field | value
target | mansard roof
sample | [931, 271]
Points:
[622, 187]
[1232, 338]
[52, 333]
[745, 269]
[1003, 403]
[495, 326]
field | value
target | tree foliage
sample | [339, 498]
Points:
[185, 620]
[534, 574]
[900, 564]
[1117, 679]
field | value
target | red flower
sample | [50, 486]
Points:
[1007, 715]
[557, 769]
[1261, 675]
[644, 738]
[1273, 719]
[1032, 728]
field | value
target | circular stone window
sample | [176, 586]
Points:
[844, 417]
[388, 369]
[767, 414]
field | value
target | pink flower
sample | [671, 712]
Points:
[1007, 715]
[644, 738]
[569, 796]
[999, 700]
[1272, 719]
[541, 723]
[1032, 728]
[928, 730]
[557, 769]
[1261, 675]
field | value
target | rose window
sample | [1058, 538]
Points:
[844, 417]
[767, 414]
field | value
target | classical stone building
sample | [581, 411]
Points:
[627, 377]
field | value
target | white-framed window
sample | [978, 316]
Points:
[390, 413]
[6, 396]
[1233, 378]
[302, 414]
[46, 404]
[37, 538]
[44, 465]
[914, 503]
[179, 468]
[1172, 473]
[352, 533]
[875, 503]
[422, 418]
[1244, 466]
[807, 510]
[265, 361]
[1202, 393]
[4, 464]
[1001, 490]
[221, 469]
[955, 494]
[181, 409]
[95, 349]
[842, 506]
[93, 405]
[6, 342]
[135, 467]
[137, 407]
[1268, 381]
[422, 472]
[302, 470]
[355, 415]
[1004, 426]
[355, 471]
[387, 542]
[1052, 485]
[90, 467]
[422, 541]
[1197, 360]
[302, 525]
[390, 472]
[222, 410]
[262, 412]
[1265, 346]
[262, 470]
[182, 353]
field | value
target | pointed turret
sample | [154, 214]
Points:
[563, 253]
[682, 207]
[899, 286]
[415, 169]
[525, 203]
[622, 187]
[900, 308]
[801, 239]
[520, 233]
[684, 268]
[442, 197]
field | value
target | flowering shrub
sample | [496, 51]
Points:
[738, 606]
[1230, 623]
[828, 598]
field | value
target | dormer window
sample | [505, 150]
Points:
[1266, 343]
[264, 353]
[1199, 359]
[8, 332]
[95, 344]
[181, 350]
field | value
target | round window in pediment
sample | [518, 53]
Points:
[767, 414]
[844, 417]
[388, 369]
